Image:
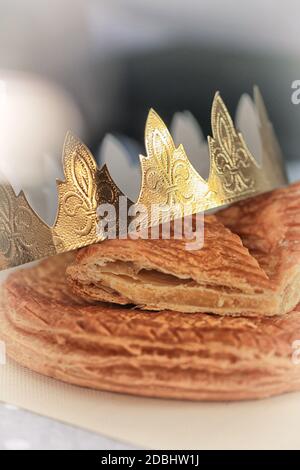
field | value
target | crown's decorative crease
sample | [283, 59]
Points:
[24, 237]
[233, 169]
[169, 181]
[168, 178]
[76, 221]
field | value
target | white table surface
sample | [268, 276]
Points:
[21, 430]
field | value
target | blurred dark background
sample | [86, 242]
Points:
[186, 76]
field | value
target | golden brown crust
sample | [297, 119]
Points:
[161, 274]
[168, 354]
[222, 277]
[269, 226]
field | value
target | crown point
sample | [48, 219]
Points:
[157, 134]
[152, 117]
[217, 102]
[219, 109]
[69, 135]
[70, 138]
[218, 99]
[154, 120]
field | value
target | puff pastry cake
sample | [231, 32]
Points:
[249, 265]
[49, 329]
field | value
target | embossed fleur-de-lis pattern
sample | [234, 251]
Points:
[234, 171]
[169, 181]
[24, 237]
[168, 178]
[76, 221]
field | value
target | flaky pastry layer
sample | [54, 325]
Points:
[249, 265]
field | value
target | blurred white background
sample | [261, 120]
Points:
[76, 42]
[67, 39]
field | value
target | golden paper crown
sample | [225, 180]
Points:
[168, 180]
